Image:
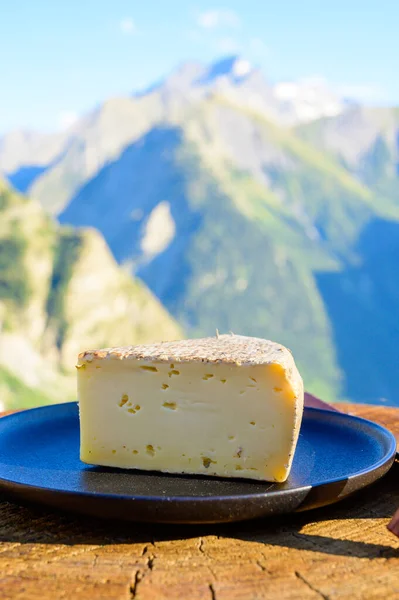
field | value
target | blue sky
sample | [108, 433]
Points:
[60, 59]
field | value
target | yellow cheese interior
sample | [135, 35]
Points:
[199, 418]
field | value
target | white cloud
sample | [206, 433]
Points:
[128, 26]
[228, 45]
[67, 118]
[211, 19]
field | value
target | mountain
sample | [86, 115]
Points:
[362, 301]
[60, 292]
[24, 148]
[251, 207]
[25, 155]
[53, 167]
[365, 141]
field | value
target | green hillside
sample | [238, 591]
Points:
[15, 394]
[61, 292]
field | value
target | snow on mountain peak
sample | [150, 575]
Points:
[233, 67]
[309, 99]
[241, 67]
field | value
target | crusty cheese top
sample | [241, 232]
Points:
[225, 349]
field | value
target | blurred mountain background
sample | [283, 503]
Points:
[210, 199]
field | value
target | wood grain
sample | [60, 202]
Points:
[339, 552]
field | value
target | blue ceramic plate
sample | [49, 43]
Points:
[39, 462]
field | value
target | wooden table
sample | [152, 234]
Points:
[342, 551]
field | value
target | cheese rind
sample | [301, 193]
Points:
[166, 407]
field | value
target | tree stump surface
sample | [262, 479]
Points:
[337, 552]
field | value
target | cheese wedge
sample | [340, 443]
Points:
[229, 406]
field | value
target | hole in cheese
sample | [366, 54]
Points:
[171, 405]
[150, 450]
[123, 400]
[173, 372]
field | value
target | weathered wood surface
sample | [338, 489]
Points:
[339, 552]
